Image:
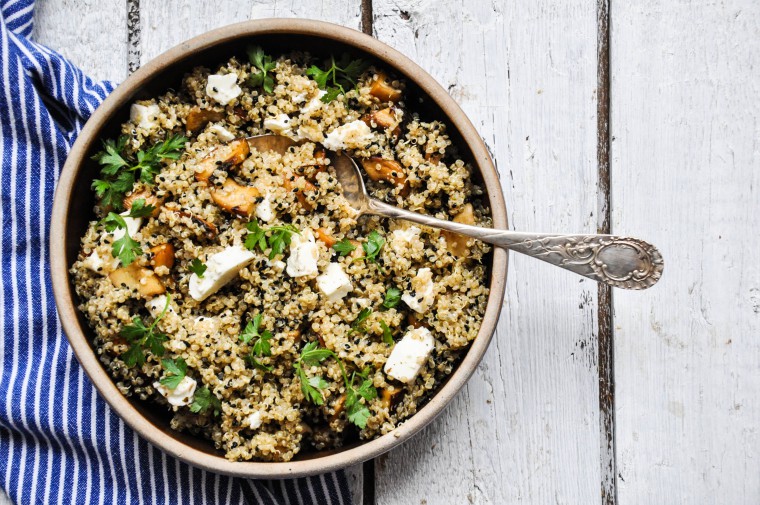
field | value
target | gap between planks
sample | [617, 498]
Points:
[605, 347]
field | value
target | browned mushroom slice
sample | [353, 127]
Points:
[379, 169]
[198, 118]
[137, 278]
[389, 397]
[150, 199]
[234, 198]
[383, 91]
[162, 255]
[433, 158]
[233, 153]
[300, 185]
[456, 243]
[325, 237]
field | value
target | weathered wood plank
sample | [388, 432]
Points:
[198, 17]
[686, 174]
[96, 41]
[527, 426]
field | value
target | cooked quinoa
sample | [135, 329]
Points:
[215, 195]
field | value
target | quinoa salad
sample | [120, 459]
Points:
[239, 292]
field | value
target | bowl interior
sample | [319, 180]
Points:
[160, 76]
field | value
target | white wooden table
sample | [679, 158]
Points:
[636, 117]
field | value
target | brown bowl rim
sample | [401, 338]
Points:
[65, 300]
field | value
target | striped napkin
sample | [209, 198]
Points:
[59, 441]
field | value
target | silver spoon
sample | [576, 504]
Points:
[621, 262]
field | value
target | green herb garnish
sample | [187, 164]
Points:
[392, 298]
[142, 339]
[265, 65]
[198, 267]
[175, 371]
[279, 237]
[358, 412]
[372, 247]
[119, 172]
[261, 346]
[358, 324]
[339, 77]
[204, 400]
[311, 355]
[344, 247]
[125, 248]
[387, 335]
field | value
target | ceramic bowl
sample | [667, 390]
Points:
[74, 200]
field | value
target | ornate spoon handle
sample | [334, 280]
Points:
[621, 262]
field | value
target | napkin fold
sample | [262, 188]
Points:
[59, 441]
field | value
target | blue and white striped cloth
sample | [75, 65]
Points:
[59, 441]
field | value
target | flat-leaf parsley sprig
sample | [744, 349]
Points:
[262, 346]
[205, 401]
[357, 412]
[126, 248]
[174, 371]
[119, 171]
[278, 237]
[339, 76]
[264, 64]
[143, 339]
[372, 247]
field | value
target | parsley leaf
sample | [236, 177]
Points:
[262, 346]
[387, 335]
[175, 371]
[142, 339]
[372, 247]
[311, 386]
[344, 247]
[204, 400]
[358, 324]
[339, 77]
[125, 248]
[279, 238]
[119, 172]
[358, 412]
[139, 209]
[198, 267]
[392, 297]
[264, 64]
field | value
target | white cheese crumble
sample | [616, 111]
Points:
[99, 265]
[181, 395]
[334, 283]
[353, 135]
[144, 116]
[409, 355]
[156, 305]
[423, 294]
[264, 209]
[222, 133]
[223, 88]
[303, 257]
[314, 104]
[254, 420]
[221, 268]
[279, 124]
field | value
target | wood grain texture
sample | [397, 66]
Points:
[526, 428]
[198, 17]
[91, 33]
[686, 174]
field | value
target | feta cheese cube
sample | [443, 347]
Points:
[353, 135]
[423, 294]
[99, 264]
[144, 116]
[334, 283]
[409, 355]
[279, 124]
[314, 104]
[222, 133]
[179, 396]
[304, 253]
[264, 209]
[156, 306]
[221, 268]
[223, 88]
